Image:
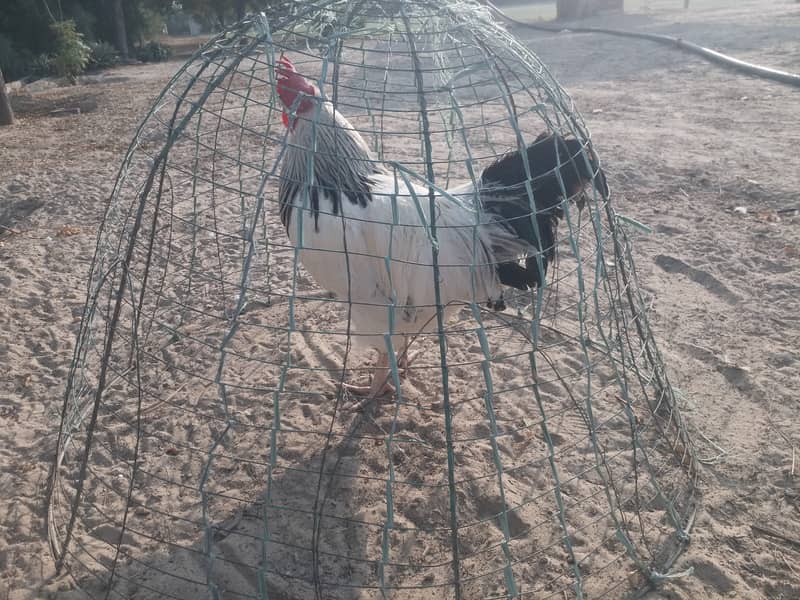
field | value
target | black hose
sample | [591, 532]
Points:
[710, 55]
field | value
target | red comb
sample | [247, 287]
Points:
[285, 66]
[291, 83]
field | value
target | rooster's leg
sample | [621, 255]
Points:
[381, 379]
[405, 358]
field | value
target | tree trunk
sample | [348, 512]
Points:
[120, 32]
[6, 114]
[571, 9]
[241, 8]
[579, 9]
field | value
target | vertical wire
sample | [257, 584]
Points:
[511, 585]
[115, 316]
[448, 416]
[97, 278]
[522, 146]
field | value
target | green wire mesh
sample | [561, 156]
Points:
[205, 448]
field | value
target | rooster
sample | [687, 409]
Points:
[364, 228]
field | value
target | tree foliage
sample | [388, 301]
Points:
[220, 13]
[27, 43]
[25, 34]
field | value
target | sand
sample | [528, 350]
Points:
[705, 157]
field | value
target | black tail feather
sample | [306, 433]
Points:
[505, 195]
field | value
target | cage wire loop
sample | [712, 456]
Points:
[518, 436]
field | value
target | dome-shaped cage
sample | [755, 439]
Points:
[207, 448]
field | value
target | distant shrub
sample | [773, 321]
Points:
[103, 56]
[153, 52]
[72, 54]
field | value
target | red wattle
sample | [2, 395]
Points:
[285, 120]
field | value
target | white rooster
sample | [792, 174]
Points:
[365, 230]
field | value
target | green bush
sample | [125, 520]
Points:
[152, 52]
[103, 56]
[147, 23]
[71, 55]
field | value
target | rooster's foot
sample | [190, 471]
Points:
[404, 362]
[367, 394]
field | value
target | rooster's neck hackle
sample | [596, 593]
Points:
[325, 145]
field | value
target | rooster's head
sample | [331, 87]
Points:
[294, 90]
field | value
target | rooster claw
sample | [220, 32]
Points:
[404, 362]
[367, 393]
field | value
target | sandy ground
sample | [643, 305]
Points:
[684, 143]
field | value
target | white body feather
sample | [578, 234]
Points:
[380, 256]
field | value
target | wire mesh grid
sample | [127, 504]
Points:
[207, 447]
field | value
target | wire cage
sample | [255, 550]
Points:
[207, 448]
